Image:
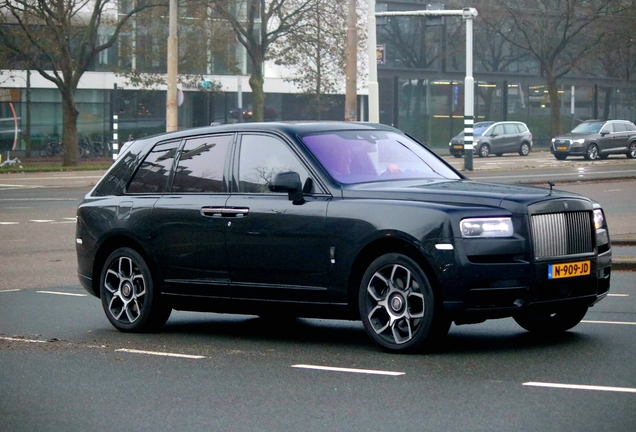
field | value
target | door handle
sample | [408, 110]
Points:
[224, 212]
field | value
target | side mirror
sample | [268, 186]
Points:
[288, 181]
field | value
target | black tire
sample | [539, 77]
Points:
[484, 150]
[128, 293]
[631, 150]
[591, 152]
[524, 150]
[551, 323]
[560, 156]
[397, 306]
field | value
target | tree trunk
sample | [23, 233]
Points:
[69, 138]
[258, 95]
[555, 102]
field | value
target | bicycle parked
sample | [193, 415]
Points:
[52, 147]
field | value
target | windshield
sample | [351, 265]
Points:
[364, 156]
[588, 128]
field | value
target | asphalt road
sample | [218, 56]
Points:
[64, 368]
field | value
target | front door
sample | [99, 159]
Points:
[276, 249]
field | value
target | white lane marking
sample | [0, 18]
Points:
[581, 387]
[338, 369]
[60, 178]
[10, 290]
[550, 175]
[62, 293]
[41, 220]
[64, 222]
[9, 223]
[609, 322]
[618, 295]
[164, 354]
[21, 340]
[613, 190]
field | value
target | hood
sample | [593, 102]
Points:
[514, 198]
[574, 135]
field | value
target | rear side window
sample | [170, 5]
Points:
[522, 128]
[154, 172]
[202, 164]
[510, 129]
[619, 127]
[630, 127]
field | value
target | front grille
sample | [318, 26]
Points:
[559, 234]
[562, 143]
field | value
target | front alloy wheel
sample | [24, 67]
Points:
[592, 152]
[128, 295]
[631, 151]
[484, 150]
[397, 305]
[524, 150]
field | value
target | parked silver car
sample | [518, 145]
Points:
[597, 139]
[495, 137]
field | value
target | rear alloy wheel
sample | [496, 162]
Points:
[592, 152]
[397, 305]
[128, 293]
[524, 150]
[551, 322]
[484, 150]
[631, 151]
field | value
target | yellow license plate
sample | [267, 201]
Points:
[458, 147]
[557, 271]
[562, 148]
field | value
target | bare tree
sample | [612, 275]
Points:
[257, 24]
[315, 52]
[60, 39]
[554, 32]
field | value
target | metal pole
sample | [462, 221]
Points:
[374, 99]
[115, 109]
[469, 90]
[351, 70]
[172, 116]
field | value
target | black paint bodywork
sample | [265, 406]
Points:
[307, 258]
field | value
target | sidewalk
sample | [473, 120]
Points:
[624, 252]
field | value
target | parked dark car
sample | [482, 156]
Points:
[597, 139]
[495, 138]
[333, 220]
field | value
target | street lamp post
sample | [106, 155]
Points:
[172, 115]
[469, 83]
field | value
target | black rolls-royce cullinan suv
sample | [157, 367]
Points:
[333, 220]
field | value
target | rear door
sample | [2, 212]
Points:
[189, 222]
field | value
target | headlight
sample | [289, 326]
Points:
[486, 227]
[599, 219]
[578, 141]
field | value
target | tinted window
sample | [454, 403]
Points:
[261, 158]
[201, 165]
[152, 176]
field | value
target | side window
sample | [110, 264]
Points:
[152, 176]
[201, 165]
[498, 130]
[261, 158]
[510, 129]
[522, 128]
[607, 128]
[619, 127]
[630, 127]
